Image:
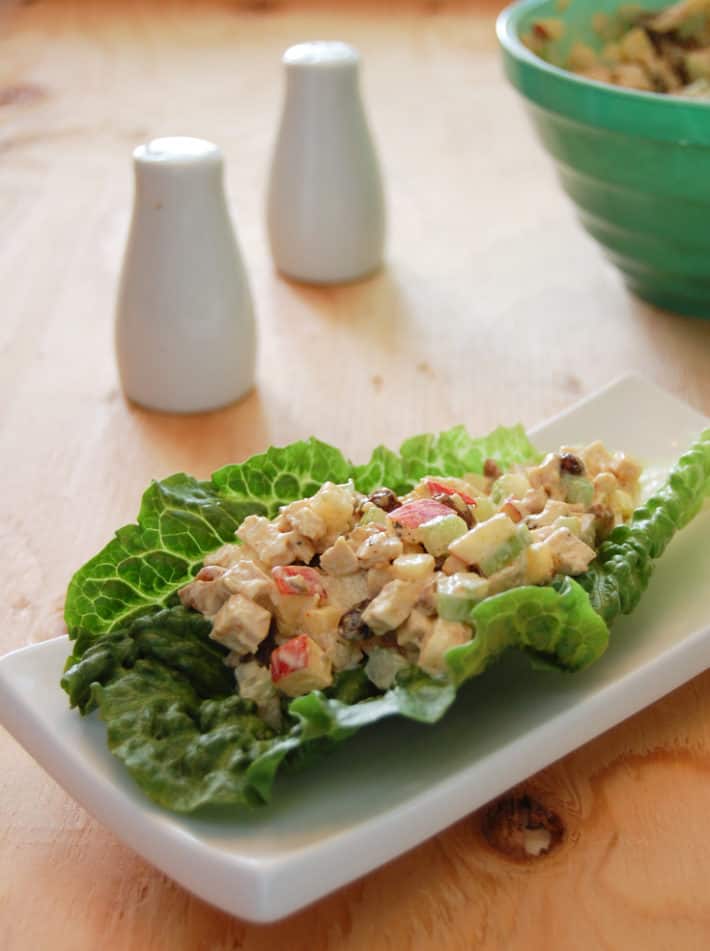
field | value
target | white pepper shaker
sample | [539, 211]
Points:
[326, 211]
[185, 330]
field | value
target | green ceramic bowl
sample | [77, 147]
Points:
[636, 165]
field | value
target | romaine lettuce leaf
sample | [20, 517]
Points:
[161, 685]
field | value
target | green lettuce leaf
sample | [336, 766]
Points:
[180, 521]
[451, 453]
[557, 626]
[161, 684]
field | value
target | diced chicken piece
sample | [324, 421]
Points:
[571, 555]
[378, 548]
[362, 532]
[626, 470]
[301, 517]
[533, 502]
[299, 666]
[413, 567]
[547, 475]
[377, 578]
[443, 636]
[415, 628]
[207, 593]
[344, 593]
[226, 556]
[272, 546]
[391, 606]
[482, 541]
[254, 683]
[240, 624]
[339, 559]
[596, 458]
[383, 665]
[245, 577]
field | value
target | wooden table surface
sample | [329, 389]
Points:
[493, 307]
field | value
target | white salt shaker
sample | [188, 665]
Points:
[185, 331]
[326, 212]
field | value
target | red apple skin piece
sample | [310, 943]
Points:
[413, 514]
[447, 490]
[305, 580]
[293, 655]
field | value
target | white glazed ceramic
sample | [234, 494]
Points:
[185, 333]
[326, 214]
[395, 784]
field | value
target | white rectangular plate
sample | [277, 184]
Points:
[398, 783]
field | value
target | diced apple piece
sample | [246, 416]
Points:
[322, 620]
[298, 580]
[511, 484]
[391, 606]
[383, 665]
[539, 563]
[413, 567]
[485, 508]
[380, 547]
[413, 514]
[437, 534]
[443, 636]
[373, 515]
[240, 624]
[377, 578]
[299, 666]
[291, 609]
[439, 488]
[577, 490]
[339, 559]
[506, 552]
[458, 594]
[483, 540]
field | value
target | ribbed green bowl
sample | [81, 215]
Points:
[636, 165]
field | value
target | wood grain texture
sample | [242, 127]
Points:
[493, 307]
